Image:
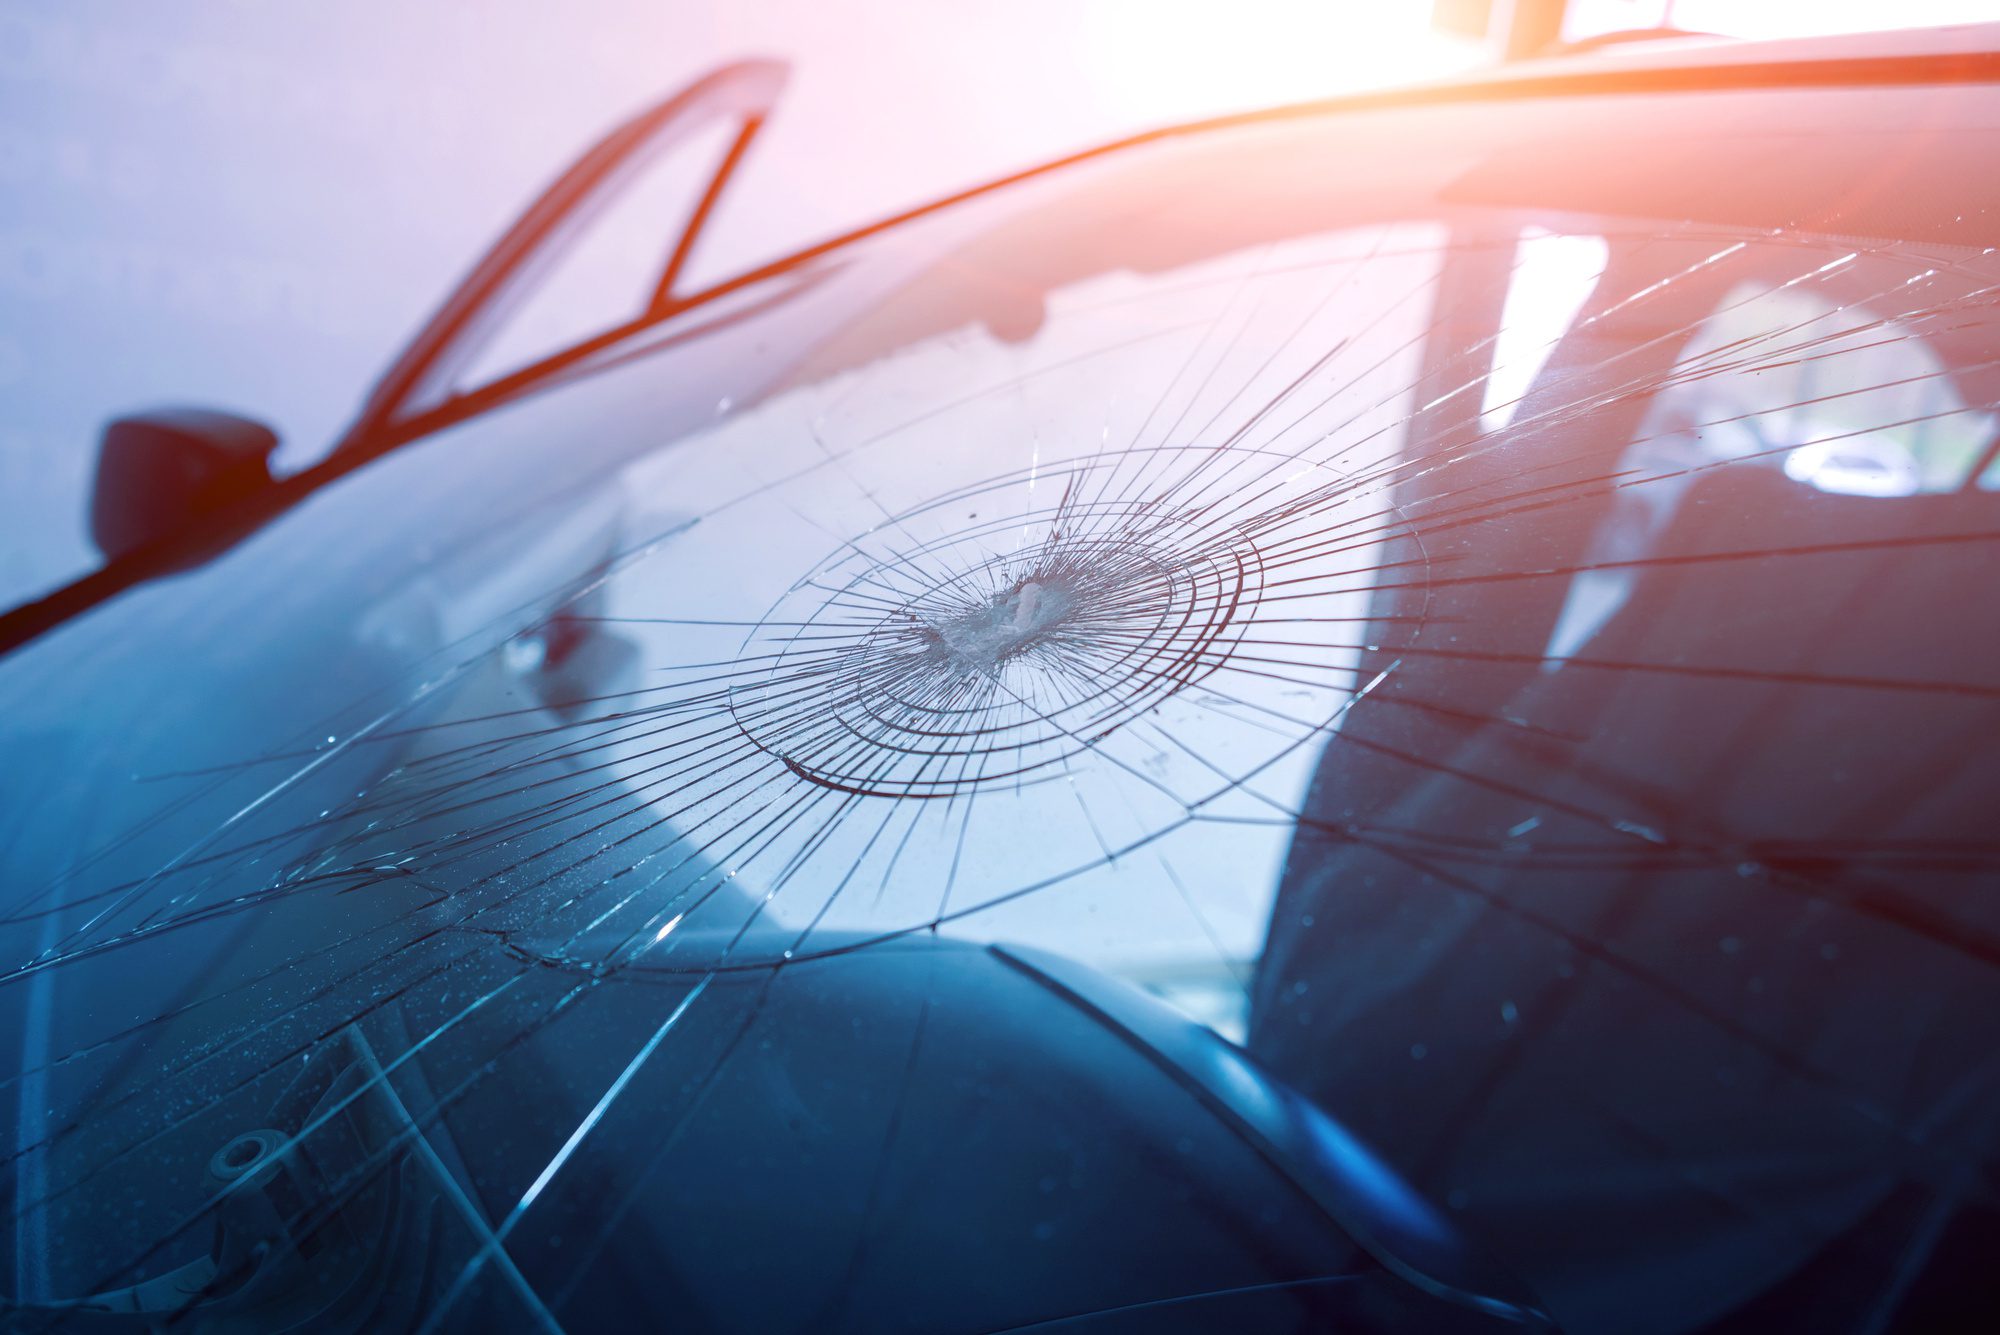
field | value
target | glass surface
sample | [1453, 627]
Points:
[1510, 641]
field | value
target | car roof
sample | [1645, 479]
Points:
[1964, 53]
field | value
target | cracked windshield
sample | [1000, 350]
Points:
[1447, 668]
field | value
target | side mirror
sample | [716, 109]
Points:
[164, 471]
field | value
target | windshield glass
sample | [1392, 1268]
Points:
[1521, 661]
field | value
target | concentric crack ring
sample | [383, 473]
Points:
[993, 655]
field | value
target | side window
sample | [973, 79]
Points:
[1844, 397]
[1861, 396]
[605, 244]
[608, 271]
